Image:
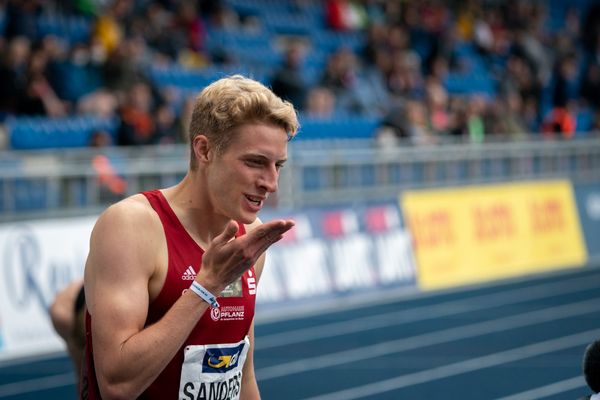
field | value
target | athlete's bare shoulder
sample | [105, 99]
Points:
[131, 209]
[128, 232]
[133, 215]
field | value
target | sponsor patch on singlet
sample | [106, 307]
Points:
[233, 290]
[213, 372]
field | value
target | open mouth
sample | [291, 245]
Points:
[257, 201]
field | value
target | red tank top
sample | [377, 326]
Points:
[229, 323]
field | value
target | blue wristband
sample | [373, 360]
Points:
[204, 294]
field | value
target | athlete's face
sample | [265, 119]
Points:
[242, 177]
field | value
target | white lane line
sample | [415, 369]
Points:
[462, 367]
[423, 313]
[428, 339]
[549, 390]
[37, 384]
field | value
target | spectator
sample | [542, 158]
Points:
[39, 97]
[518, 77]
[376, 38]
[341, 76]
[13, 73]
[184, 118]
[320, 103]
[77, 74]
[458, 126]
[529, 46]
[101, 102]
[342, 15]
[100, 138]
[137, 124]
[21, 18]
[288, 82]
[590, 30]
[565, 76]
[436, 101]
[127, 63]
[191, 26]
[505, 117]
[559, 123]
[405, 78]
[590, 87]
[405, 123]
[166, 125]
[109, 26]
[156, 25]
[475, 119]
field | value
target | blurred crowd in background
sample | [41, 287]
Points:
[427, 70]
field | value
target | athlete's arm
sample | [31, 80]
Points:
[124, 254]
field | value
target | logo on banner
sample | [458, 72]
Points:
[480, 233]
[381, 219]
[30, 277]
[301, 230]
[22, 258]
[337, 224]
[219, 360]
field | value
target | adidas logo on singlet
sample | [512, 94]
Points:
[189, 274]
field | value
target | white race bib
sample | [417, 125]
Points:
[213, 371]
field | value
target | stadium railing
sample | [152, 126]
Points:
[319, 173]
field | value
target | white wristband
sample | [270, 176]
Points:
[204, 294]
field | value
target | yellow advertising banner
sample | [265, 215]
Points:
[476, 234]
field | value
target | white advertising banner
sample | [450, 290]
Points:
[37, 258]
[347, 251]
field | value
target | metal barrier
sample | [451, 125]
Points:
[321, 176]
[64, 182]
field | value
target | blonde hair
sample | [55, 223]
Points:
[233, 101]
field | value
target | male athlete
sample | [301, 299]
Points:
[170, 280]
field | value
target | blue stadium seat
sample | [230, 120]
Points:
[175, 75]
[258, 8]
[227, 38]
[196, 79]
[288, 23]
[338, 127]
[74, 29]
[458, 83]
[329, 41]
[44, 133]
[585, 120]
[257, 55]
[74, 81]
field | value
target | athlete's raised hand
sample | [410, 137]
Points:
[228, 257]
